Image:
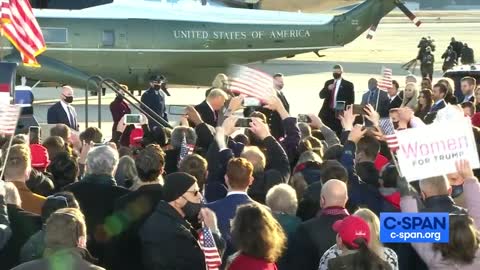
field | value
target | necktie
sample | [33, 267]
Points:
[332, 100]
[72, 121]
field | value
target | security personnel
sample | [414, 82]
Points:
[426, 63]
[154, 98]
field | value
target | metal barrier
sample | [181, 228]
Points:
[116, 87]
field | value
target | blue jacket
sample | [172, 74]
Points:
[155, 100]
[225, 210]
[359, 193]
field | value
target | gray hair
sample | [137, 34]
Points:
[282, 198]
[102, 160]
[179, 132]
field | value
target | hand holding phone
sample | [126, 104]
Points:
[34, 134]
[243, 122]
[304, 118]
[251, 102]
[132, 119]
[359, 109]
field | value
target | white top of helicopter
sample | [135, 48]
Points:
[187, 10]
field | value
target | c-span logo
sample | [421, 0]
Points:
[414, 227]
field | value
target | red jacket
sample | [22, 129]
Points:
[243, 262]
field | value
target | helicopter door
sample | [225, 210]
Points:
[139, 44]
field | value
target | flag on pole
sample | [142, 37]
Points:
[9, 115]
[251, 82]
[386, 81]
[209, 248]
[185, 150]
[19, 25]
[386, 125]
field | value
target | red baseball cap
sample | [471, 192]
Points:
[39, 155]
[136, 137]
[352, 228]
[476, 120]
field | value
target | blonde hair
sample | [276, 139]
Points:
[412, 102]
[374, 223]
[282, 198]
[216, 92]
[219, 80]
[256, 157]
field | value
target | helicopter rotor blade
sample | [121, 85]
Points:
[408, 13]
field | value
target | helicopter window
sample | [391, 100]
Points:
[55, 35]
[108, 38]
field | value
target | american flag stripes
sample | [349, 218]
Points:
[209, 248]
[386, 81]
[19, 25]
[389, 131]
[185, 150]
[9, 115]
[251, 82]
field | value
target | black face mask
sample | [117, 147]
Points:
[120, 97]
[337, 76]
[191, 210]
[68, 100]
[156, 87]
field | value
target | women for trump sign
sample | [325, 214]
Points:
[433, 149]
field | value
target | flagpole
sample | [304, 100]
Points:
[395, 162]
[6, 157]
[1, 42]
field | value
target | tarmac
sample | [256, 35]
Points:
[393, 45]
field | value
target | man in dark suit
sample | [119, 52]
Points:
[316, 236]
[62, 112]
[469, 84]
[337, 89]
[154, 98]
[394, 96]
[238, 178]
[377, 98]
[210, 107]
[273, 118]
[438, 94]
[125, 251]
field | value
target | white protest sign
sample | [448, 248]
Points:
[433, 149]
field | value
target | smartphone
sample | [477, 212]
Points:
[359, 109]
[132, 119]
[303, 118]
[177, 109]
[340, 106]
[251, 102]
[243, 122]
[34, 134]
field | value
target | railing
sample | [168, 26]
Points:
[113, 85]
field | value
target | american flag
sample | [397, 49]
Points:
[386, 81]
[9, 115]
[251, 83]
[20, 27]
[389, 131]
[209, 248]
[185, 150]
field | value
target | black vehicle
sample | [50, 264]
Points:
[458, 72]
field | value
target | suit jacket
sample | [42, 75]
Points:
[311, 240]
[327, 114]
[208, 115]
[57, 115]
[383, 101]
[433, 112]
[225, 210]
[395, 103]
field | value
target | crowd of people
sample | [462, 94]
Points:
[456, 53]
[282, 192]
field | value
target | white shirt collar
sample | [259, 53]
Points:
[237, 193]
[438, 102]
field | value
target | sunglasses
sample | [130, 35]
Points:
[195, 192]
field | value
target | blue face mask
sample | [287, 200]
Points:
[372, 87]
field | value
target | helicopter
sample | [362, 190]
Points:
[131, 40]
